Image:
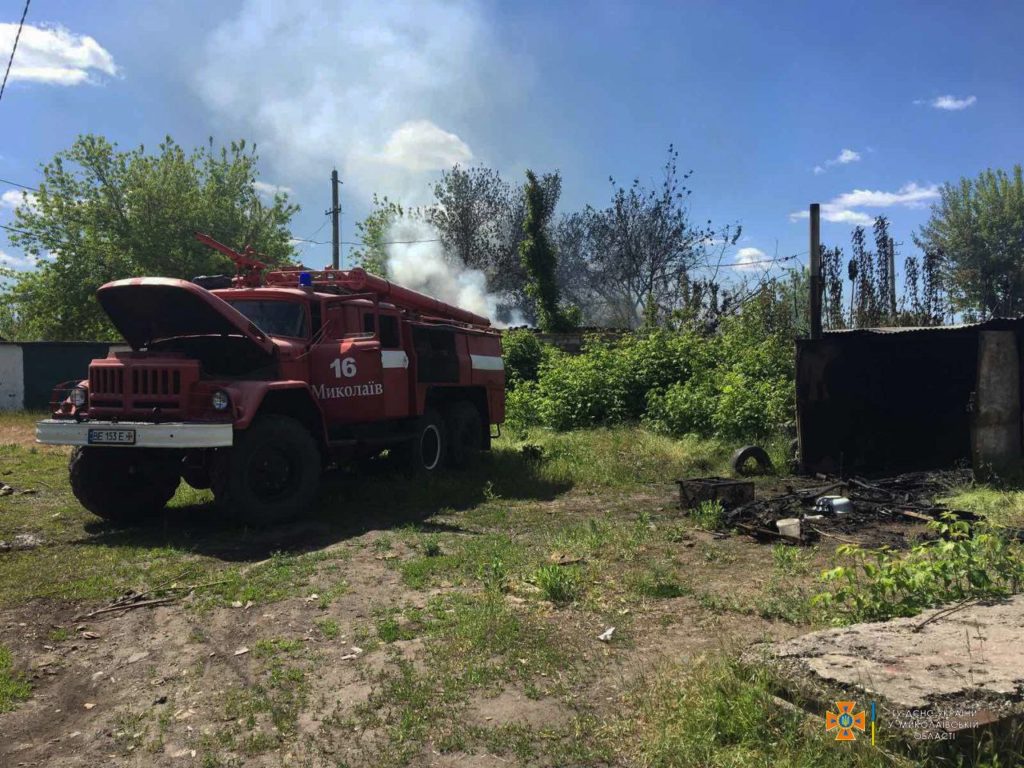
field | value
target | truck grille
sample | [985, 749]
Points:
[106, 381]
[116, 386]
[156, 381]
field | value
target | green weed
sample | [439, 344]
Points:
[559, 584]
[329, 628]
[708, 515]
[960, 564]
[13, 687]
[791, 560]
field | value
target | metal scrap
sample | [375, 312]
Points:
[912, 495]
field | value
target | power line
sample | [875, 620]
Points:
[17, 37]
[741, 264]
[16, 184]
[15, 229]
[363, 242]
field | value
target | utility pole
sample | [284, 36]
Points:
[892, 279]
[815, 280]
[335, 213]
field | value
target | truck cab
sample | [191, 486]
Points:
[251, 390]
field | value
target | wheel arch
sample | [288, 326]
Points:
[442, 398]
[295, 402]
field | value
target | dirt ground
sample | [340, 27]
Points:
[426, 634]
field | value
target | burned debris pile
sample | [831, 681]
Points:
[830, 508]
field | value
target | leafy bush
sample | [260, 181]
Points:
[523, 353]
[521, 411]
[584, 390]
[735, 383]
[880, 584]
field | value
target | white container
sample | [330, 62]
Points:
[789, 527]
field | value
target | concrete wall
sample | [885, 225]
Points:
[571, 342]
[30, 370]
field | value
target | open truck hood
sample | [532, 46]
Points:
[147, 309]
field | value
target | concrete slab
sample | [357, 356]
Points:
[966, 664]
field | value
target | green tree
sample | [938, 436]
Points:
[644, 245]
[976, 230]
[536, 254]
[373, 232]
[102, 214]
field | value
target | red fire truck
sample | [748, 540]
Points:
[252, 385]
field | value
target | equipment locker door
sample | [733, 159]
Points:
[395, 362]
[346, 370]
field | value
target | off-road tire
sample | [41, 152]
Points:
[427, 451]
[741, 459]
[465, 434]
[123, 485]
[272, 473]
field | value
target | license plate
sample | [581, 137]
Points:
[111, 437]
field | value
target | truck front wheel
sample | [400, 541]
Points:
[271, 474]
[122, 485]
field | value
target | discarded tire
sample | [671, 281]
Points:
[751, 454]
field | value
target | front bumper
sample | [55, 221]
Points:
[147, 435]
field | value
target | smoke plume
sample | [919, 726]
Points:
[425, 267]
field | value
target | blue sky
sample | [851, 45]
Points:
[864, 107]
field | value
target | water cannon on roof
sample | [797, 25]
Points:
[250, 274]
[248, 269]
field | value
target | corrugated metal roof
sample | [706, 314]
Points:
[995, 323]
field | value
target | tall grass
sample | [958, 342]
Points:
[721, 712]
[621, 456]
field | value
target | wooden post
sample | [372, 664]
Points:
[815, 281]
[335, 210]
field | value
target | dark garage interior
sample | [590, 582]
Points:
[889, 399]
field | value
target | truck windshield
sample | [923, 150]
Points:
[275, 318]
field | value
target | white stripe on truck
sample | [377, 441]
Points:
[392, 359]
[487, 363]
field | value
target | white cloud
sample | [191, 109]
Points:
[845, 157]
[842, 208]
[420, 145]
[910, 195]
[18, 263]
[269, 190]
[747, 259]
[15, 198]
[952, 103]
[54, 55]
[383, 91]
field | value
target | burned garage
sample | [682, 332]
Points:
[896, 399]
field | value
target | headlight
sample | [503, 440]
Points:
[220, 400]
[78, 397]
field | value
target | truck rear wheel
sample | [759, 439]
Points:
[122, 485]
[271, 474]
[465, 430]
[427, 450]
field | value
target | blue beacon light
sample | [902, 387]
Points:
[305, 280]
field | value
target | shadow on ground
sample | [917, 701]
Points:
[353, 500]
